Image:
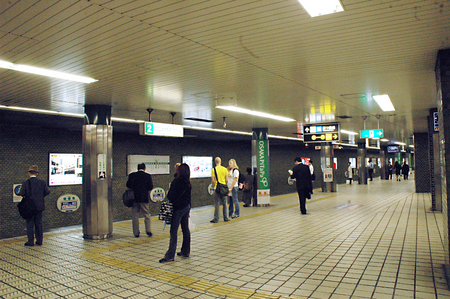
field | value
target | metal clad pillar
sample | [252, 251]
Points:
[326, 163]
[435, 169]
[97, 173]
[383, 169]
[361, 163]
[260, 160]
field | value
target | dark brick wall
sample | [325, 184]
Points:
[422, 163]
[21, 146]
[443, 103]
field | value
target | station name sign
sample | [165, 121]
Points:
[161, 129]
[321, 132]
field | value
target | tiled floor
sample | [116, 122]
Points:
[366, 241]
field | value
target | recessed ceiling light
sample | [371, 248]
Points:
[384, 102]
[255, 113]
[44, 72]
[384, 140]
[317, 8]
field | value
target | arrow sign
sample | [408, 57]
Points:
[378, 133]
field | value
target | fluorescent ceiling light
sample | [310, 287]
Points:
[411, 145]
[44, 72]
[317, 8]
[255, 113]
[400, 143]
[126, 120]
[384, 102]
[349, 132]
[384, 140]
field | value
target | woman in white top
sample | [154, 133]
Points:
[350, 173]
[233, 176]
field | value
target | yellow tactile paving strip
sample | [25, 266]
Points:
[166, 276]
[178, 279]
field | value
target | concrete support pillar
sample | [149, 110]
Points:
[97, 173]
[260, 160]
[326, 163]
[435, 169]
[361, 163]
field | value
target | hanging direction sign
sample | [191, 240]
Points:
[321, 133]
[378, 133]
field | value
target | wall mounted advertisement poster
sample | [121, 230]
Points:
[153, 164]
[200, 167]
[65, 169]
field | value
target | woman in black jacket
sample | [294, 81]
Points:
[180, 196]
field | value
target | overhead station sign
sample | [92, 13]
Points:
[378, 133]
[160, 129]
[321, 133]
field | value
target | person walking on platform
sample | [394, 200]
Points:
[370, 166]
[219, 175]
[302, 175]
[233, 176]
[141, 183]
[180, 196]
[398, 169]
[36, 190]
[405, 170]
[248, 188]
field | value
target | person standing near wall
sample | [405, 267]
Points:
[302, 175]
[350, 173]
[390, 169]
[36, 190]
[180, 196]
[141, 183]
[248, 188]
[233, 176]
[313, 175]
[370, 166]
[219, 175]
[255, 187]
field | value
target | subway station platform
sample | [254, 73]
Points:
[365, 241]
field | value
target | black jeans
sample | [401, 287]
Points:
[35, 222]
[179, 217]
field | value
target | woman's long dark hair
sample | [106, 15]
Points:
[184, 173]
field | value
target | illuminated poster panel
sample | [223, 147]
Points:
[200, 167]
[65, 169]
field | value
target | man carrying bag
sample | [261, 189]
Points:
[33, 192]
[219, 182]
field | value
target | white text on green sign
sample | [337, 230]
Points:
[378, 133]
[160, 129]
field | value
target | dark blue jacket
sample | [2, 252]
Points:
[302, 176]
[39, 190]
[141, 183]
[179, 193]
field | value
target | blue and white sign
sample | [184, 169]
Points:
[157, 194]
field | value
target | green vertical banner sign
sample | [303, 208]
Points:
[260, 161]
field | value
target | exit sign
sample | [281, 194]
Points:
[160, 129]
[378, 133]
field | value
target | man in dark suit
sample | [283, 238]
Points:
[35, 189]
[302, 176]
[141, 183]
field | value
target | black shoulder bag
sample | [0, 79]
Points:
[221, 189]
[26, 207]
